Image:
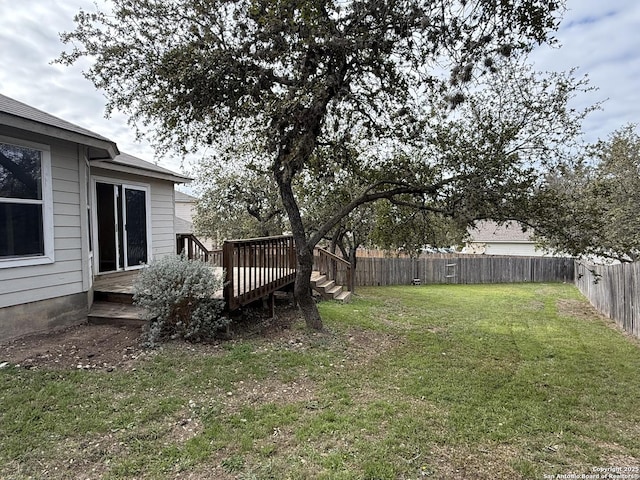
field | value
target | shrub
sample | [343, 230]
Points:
[178, 294]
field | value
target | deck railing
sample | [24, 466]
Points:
[334, 267]
[215, 257]
[255, 268]
[192, 247]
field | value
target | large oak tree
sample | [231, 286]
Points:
[294, 77]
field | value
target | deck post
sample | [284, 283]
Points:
[271, 305]
[227, 265]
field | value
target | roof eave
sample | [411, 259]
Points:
[98, 148]
[116, 167]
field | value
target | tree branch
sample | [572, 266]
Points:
[368, 197]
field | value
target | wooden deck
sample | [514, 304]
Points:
[254, 269]
[247, 280]
[121, 283]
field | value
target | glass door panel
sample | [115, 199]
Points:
[135, 221]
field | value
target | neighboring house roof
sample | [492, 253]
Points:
[20, 115]
[129, 164]
[182, 197]
[490, 231]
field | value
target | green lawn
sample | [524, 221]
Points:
[446, 382]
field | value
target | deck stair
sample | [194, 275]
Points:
[328, 288]
[113, 302]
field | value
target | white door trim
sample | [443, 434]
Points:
[95, 179]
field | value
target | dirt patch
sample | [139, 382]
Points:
[577, 309]
[89, 347]
[485, 462]
[584, 311]
[618, 455]
[109, 347]
[269, 390]
[365, 346]
[185, 427]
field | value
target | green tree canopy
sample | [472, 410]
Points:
[294, 77]
[236, 202]
[410, 230]
[598, 202]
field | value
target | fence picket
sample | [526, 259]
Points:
[469, 269]
[614, 290]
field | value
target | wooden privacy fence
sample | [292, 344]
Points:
[469, 269]
[614, 290]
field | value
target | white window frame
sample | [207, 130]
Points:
[47, 207]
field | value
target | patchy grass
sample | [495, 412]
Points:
[448, 382]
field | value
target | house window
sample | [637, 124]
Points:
[26, 210]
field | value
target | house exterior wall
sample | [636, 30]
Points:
[503, 248]
[185, 210]
[162, 218]
[43, 315]
[163, 235]
[36, 298]
[63, 277]
[41, 297]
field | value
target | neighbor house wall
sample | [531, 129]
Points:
[512, 248]
[185, 210]
[33, 283]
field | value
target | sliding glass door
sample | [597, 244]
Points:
[122, 220]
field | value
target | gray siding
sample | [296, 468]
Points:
[162, 218]
[64, 276]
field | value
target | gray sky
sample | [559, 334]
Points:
[601, 38]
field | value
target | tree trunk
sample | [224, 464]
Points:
[304, 254]
[353, 260]
[302, 289]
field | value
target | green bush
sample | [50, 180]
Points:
[178, 294]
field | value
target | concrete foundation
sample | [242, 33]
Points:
[43, 316]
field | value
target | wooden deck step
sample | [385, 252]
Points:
[117, 314]
[328, 288]
[325, 286]
[334, 291]
[317, 278]
[113, 297]
[344, 296]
